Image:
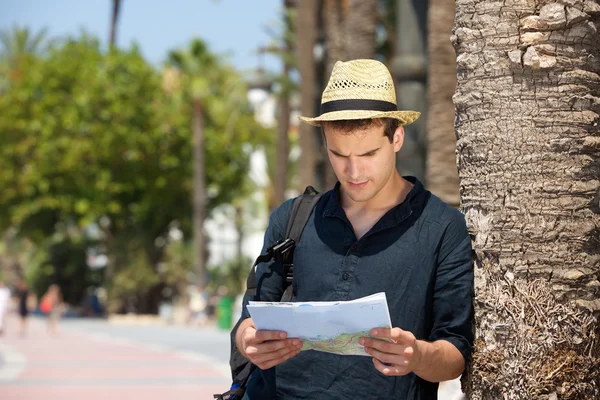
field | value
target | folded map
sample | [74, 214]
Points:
[329, 326]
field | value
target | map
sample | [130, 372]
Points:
[329, 326]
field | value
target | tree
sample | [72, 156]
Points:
[409, 69]
[18, 42]
[217, 95]
[306, 23]
[116, 6]
[198, 64]
[16, 45]
[93, 139]
[350, 27]
[526, 122]
[441, 174]
[283, 48]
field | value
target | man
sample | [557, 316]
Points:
[375, 231]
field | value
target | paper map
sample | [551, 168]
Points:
[329, 326]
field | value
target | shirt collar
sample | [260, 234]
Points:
[333, 205]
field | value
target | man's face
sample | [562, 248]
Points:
[363, 160]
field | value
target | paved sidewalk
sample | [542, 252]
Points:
[77, 364]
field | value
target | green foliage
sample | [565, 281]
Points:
[177, 263]
[88, 137]
[232, 275]
[16, 45]
[134, 281]
[20, 41]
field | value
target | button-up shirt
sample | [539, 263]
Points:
[418, 253]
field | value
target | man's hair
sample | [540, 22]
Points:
[351, 125]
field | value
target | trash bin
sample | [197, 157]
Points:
[225, 313]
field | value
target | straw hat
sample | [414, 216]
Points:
[360, 89]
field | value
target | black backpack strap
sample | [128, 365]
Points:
[251, 283]
[301, 211]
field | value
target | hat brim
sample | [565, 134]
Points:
[403, 117]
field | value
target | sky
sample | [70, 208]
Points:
[236, 28]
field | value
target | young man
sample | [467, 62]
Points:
[375, 231]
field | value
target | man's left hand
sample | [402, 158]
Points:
[397, 357]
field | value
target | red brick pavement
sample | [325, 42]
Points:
[74, 365]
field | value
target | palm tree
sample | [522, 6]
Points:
[527, 136]
[283, 141]
[306, 24]
[198, 65]
[409, 72]
[116, 6]
[441, 173]
[350, 27]
[18, 42]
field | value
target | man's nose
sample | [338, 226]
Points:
[353, 167]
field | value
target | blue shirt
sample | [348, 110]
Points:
[418, 253]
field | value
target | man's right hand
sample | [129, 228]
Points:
[266, 349]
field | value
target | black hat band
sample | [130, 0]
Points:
[358, 104]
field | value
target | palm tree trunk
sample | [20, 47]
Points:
[441, 173]
[334, 14]
[349, 34]
[113, 23]
[239, 227]
[360, 25]
[409, 71]
[199, 192]
[527, 114]
[283, 141]
[306, 28]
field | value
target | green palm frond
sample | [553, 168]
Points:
[19, 41]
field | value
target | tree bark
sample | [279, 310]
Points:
[361, 22]
[116, 5]
[283, 140]
[527, 112]
[306, 36]
[441, 173]
[199, 193]
[409, 72]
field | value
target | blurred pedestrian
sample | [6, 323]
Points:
[4, 299]
[22, 296]
[52, 304]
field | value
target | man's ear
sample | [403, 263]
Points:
[398, 139]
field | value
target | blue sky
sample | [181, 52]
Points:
[233, 27]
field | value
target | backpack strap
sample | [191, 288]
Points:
[301, 211]
[251, 283]
[283, 251]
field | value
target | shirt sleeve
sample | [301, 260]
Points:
[453, 288]
[269, 275]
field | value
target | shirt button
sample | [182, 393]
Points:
[346, 276]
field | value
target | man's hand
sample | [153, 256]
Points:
[402, 355]
[266, 349]
[433, 361]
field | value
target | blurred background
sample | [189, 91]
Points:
[142, 148]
